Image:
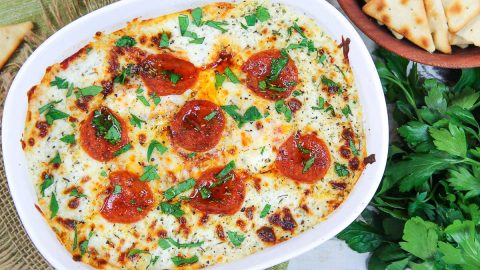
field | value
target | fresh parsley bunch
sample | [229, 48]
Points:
[426, 212]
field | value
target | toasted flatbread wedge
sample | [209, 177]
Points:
[460, 12]
[438, 25]
[10, 38]
[471, 32]
[455, 39]
[408, 18]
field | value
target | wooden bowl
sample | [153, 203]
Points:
[460, 58]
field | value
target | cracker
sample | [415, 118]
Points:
[471, 32]
[460, 12]
[10, 38]
[438, 25]
[408, 18]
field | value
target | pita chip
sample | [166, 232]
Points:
[407, 17]
[460, 12]
[438, 25]
[471, 32]
[10, 38]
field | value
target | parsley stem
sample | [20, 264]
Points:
[408, 96]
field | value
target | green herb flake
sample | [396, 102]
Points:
[53, 206]
[184, 245]
[125, 41]
[107, 126]
[59, 83]
[341, 170]
[48, 106]
[122, 150]
[262, 14]
[322, 58]
[231, 76]
[54, 114]
[251, 20]
[123, 75]
[183, 22]
[179, 188]
[235, 238]
[210, 116]
[178, 261]
[353, 148]
[90, 91]
[75, 237]
[283, 108]
[320, 104]
[84, 244]
[205, 192]
[56, 159]
[143, 100]
[156, 99]
[265, 210]
[226, 170]
[117, 189]
[217, 25]
[47, 182]
[191, 155]
[163, 243]
[297, 93]
[149, 173]
[197, 15]
[75, 193]
[172, 209]
[308, 164]
[104, 174]
[136, 121]
[197, 40]
[154, 144]
[219, 79]
[347, 111]
[69, 139]
[164, 40]
[135, 251]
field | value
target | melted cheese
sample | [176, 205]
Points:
[253, 149]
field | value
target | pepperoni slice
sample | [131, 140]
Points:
[226, 198]
[166, 74]
[198, 126]
[92, 137]
[259, 67]
[296, 155]
[128, 203]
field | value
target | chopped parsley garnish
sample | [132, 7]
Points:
[231, 76]
[226, 170]
[122, 150]
[353, 148]
[297, 93]
[70, 139]
[89, 91]
[235, 238]
[299, 30]
[154, 144]
[183, 22]
[277, 66]
[308, 164]
[191, 155]
[53, 206]
[320, 104]
[104, 174]
[329, 83]
[135, 252]
[117, 189]
[205, 192]
[262, 150]
[143, 100]
[135, 121]
[210, 116]
[165, 243]
[156, 99]
[107, 126]
[54, 114]
[56, 159]
[341, 169]
[262, 14]
[149, 173]
[251, 114]
[251, 20]
[75, 237]
[174, 77]
[197, 40]
[322, 58]
[330, 109]
[179, 188]
[347, 111]
[197, 15]
[265, 210]
[302, 149]
[219, 79]
[283, 108]
[171, 209]
[84, 244]
[305, 43]
[164, 41]
[125, 41]
[123, 75]
[177, 260]
[59, 83]
[47, 182]
[48, 106]
[75, 193]
[217, 25]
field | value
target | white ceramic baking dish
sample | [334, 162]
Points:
[78, 33]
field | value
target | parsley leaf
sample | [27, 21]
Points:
[251, 114]
[123, 75]
[341, 170]
[420, 238]
[308, 164]
[89, 91]
[210, 116]
[56, 159]
[135, 121]
[70, 139]
[149, 173]
[262, 14]
[75, 193]
[53, 206]
[235, 238]
[117, 189]
[452, 141]
[177, 260]
[164, 40]
[154, 144]
[231, 76]
[265, 210]
[219, 79]
[179, 188]
[183, 245]
[282, 108]
[217, 25]
[84, 244]
[54, 114]
[361, 237]
[125, 41]
[197, 15]
[59, 83]
[172, 209]
[122, 150]
[47, 182]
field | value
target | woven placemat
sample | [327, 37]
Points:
[16, 249]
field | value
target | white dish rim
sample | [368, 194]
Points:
[82, 30]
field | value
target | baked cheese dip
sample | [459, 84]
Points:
[195, 138]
